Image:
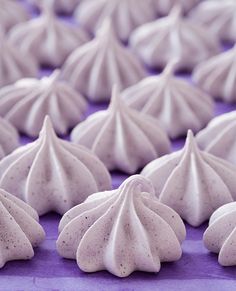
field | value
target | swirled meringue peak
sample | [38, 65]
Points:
[194, 183]
[177, 104]
[95, 67]
[218, 138]
[114, 135]
[125, 15]
[178, 38]
[51, 174]
[59, 6]
[217, 76]
[218, 16]
[220, 236]
[11, 13]
[19, 231]
[164, 6]
[49, 39]
[122, 231]
[26, 103]
[14, 63]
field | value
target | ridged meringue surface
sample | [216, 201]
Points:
[26, 103]
[122, 231]
[19, 231]
[164, 6]
[178, 38]
[218, 16]
[121, 137]
[95, 67]
[217, 76]
[218, 138]
[59, 6]
[220, 236]
[125, 15]
[51, 174]
[49, 39]
[192, 182]
[177, 104]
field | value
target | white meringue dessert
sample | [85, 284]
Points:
[176, 103]
[218, 138]
[178, 38]
[49, 39]
[59, 6]
[95, 67]
[217, 76]
[20, 231]
[51, 174]
[192, 182]
[220, 236]
[26, 103]
[122, 231]
[164, 7]
[121, 137]
[125, 15]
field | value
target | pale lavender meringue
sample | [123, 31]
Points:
[51, 174]
[122, 231]
[192, 182]
[121, 137]
[95, 67]
[164, 7]
[26, 103]
[59, 6]
[19, 231]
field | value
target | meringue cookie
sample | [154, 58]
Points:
[95, 67]
[173, 101]
[220, 235]
[218, 16]
[217, 76]
[164, 6]
[20, 230]
[49, 39]
[125, 15]
[59, 6]
[11, 13]
[122, 231]
[52, 174]
[218, 138]
[28, 101]
[178, 38]
[14, 63]
[194, 183]
[121, 137]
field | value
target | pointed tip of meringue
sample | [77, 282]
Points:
[106, 28]
[47, 128]
[176, 11]
[46, 7]
[190, 142]
[115, 98]
[170, 68]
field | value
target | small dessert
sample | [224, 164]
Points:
[192, 182]
[218, 138]
[177, 104]
[26, 103]
[51, 174]
[125, 15]
[121, 137]
[59, 6]
[218, 16]
[49, 39]
[217, 76]
[164, 7]
[220, 236]
[20, 231]
[14, 63]
[95, 67]
[122, 231]
[178, 38]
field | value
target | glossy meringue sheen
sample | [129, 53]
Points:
[219, 138]
[192, 182]
[26, 103]
[122, 231]
[178, 38]
[220, 236]
[51, 174]
[121, 137]
[217, 76]
[164, 7]
[177, 104]
[125, 15]
[49, 39]
[19, 231]
[95, 67]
